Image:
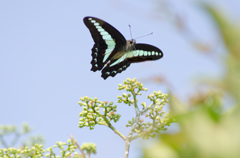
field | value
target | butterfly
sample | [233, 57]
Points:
[112, 53]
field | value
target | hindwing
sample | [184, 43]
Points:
[142, 52]
[113, 70]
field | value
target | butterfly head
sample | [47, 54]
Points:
[131, 44]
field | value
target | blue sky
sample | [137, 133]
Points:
[45, 54]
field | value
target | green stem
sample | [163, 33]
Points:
[148, 108]
[136, 120]
[109, 124]
[135, 104]
[127, 146]
[128, 140]
[113, 128]
[142, 134]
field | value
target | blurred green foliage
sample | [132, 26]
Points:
[207, 130]
[66, 150]
[89, 148]
[33, 147]
[16, 134]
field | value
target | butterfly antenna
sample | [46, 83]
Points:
[145, 35]
[131, 35]
[130, 31]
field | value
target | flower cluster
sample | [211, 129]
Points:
[97, 112]
[66, 149]
[158, 119]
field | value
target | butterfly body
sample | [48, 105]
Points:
[112, 53]
[129, 46]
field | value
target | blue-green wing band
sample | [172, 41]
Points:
[108, 41]
[144, 52]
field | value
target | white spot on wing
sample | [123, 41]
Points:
[130, 54]
[101, 30]
[111, 47]
[103, 33]
[118, 61]
[106, 37]
[108, 51]
[136, 52]
[110, 42]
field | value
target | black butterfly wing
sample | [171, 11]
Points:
[142, 52]
[112, 70]
[108, 41]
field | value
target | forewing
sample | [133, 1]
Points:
[108, 41]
